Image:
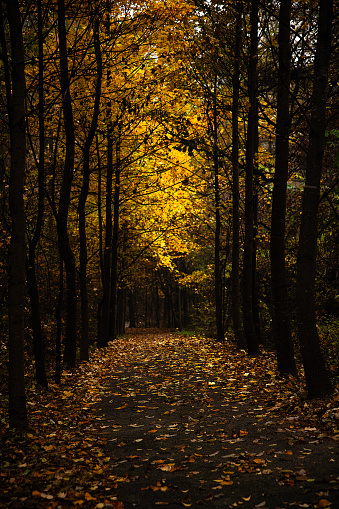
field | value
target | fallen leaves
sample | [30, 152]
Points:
[170, 467]
[64, 459]
[63, 451]
[224, 482]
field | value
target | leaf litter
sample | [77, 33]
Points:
[160, 419]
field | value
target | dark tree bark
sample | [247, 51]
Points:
[115, 239]
[38, 340]
[217, 271]
[255, 300]
[16, 94]
[236, 298]
[58, 317]
[317, 379]
[157, 304]
[121, 311]
[281, 314]
[252, 127]
[217, 265]
[65, 250]
[106, 262]
[84, 342]
[106, 269]
[101, 255]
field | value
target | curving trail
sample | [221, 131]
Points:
[191, 422]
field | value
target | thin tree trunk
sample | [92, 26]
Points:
[108, 243]
[84, 342]
[281, 315]
[65, 249]
[255, 300]
[217, 265]
[248, 319]
[106, 269]
[157, 304]
[236, 298]
[101, 256]
[317, 379]
[115, 238]
[16, 287]
[38, 340]
[58, 317]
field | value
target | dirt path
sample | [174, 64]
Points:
[190, 422]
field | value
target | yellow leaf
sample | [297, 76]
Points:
[224, 482]
[88, 496]
[36, 493]
[323, 503]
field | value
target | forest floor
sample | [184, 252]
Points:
[158, 419]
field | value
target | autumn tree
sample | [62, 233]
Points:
[281, 312]
[16, 94]
[65, 251]
[33, 238]
[317, 379]
[236, 297]
[84, 343]
[251, 162]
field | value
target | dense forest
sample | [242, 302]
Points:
[168, 163]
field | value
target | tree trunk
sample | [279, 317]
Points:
[317, 379]
[106, 265]
[106, 283]
[16, 288]
[252, 127]
[65, 249]
[84, 342]
[281, 315]
[115, 238]
[58, 318]
[121, 311]
[217, 265]
[236, 299]
[101, 255]
[38, 340]
[255, 300]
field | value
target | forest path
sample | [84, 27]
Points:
[191, 422]
[160, 419]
